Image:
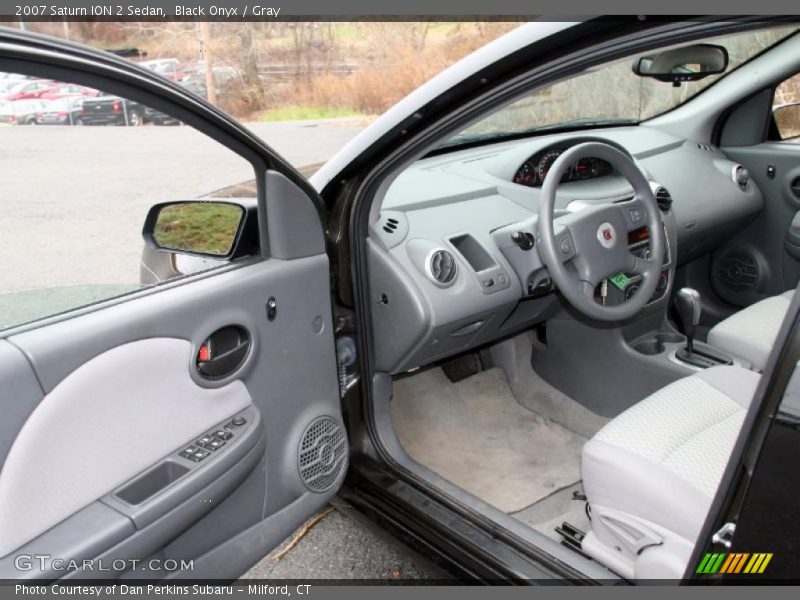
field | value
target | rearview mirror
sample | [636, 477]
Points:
[210, 228]
[689, 63]
[787, 121]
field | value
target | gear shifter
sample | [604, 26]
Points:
[689, 307]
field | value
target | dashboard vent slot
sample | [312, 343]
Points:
[390, 225]
[663, 199]
[442, 267]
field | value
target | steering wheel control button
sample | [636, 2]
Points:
[607, 235]
[238, 421]
[635, 214]
[566, 246]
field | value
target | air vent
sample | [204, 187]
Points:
[442, 267]
[390, 225]
[741, 177]
[663, 199]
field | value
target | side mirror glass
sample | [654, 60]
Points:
[787, 121]
[205, 228]
[689, 63]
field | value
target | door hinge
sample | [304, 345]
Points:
[345, 359]
[724, 535]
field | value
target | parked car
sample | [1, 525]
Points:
[20, 112]
[167, 67]
[67, 89]
[26, 90]
[61, 111]
[111, 110]
[157, 117]
[474, 324]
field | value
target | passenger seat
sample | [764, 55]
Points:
[751, 332]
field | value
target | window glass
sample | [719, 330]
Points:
[80, 169]
[612, 93]
[786, 109]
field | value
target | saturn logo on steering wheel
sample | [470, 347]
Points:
[606, 235]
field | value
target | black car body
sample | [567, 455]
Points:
[111, 110]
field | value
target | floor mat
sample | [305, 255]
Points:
[476, 435]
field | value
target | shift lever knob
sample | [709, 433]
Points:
[687, 303]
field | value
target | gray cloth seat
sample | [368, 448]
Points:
[751, 332]
[651, 473]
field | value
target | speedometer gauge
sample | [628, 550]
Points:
[546, 162]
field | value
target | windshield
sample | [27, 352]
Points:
[611, 94]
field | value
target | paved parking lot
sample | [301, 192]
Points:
[74, 198]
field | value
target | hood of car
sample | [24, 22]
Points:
[389, 128]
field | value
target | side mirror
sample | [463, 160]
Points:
[787, 121]
[210, 228]
[689, 63]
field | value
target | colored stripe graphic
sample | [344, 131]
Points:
[735, 563]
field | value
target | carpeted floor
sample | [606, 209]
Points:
[552, 511]
[475, 434]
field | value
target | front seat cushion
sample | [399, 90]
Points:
[659, 463]
[751, 332]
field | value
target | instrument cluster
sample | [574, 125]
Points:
[534, 170]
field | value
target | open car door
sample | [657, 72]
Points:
[190, 424]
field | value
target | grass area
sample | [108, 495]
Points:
[307, 113]
[207, 227]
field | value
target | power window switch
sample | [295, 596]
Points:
[205, 440]
[215, 445]
[222, 434]
[199, 455]
[188, 452]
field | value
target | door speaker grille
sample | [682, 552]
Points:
[736, 271]
[322, 456]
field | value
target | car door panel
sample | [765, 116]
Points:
[97, 404]
[108, 420]
[121, 390]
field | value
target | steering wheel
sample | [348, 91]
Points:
[583, 248]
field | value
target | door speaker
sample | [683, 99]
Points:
[735, 272]
[322, 456]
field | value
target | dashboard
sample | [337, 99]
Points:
[534, 170]
[452, 254]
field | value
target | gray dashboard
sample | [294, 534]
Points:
[466, 203]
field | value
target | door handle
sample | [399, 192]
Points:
[223, 352]
[795, 186]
